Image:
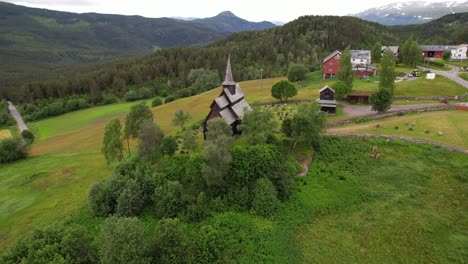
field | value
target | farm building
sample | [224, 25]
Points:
[363, 71]
[327, 100]
[459, 52]
[358, 97]
[435, 51]
[331, 65]
[230, 105]
[394, 49]
[360, 57]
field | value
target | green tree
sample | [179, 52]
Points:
[208, 245]
[12, 149]
[446, 55]
[283, 90]
[151, 137]
[216, 152]
[265, 201]
[296, 72]
[381, 100]
[170, 243]
[257, 125]
[138, 114]
[340, 90]
[130, 201]
[346, 74]
[307, 125]
[180, 118]
[387, 71]
[376, 52]
[77, 245]
[168, 199]
[169, 146]
[203, 80]
[157, 102]
[410, 52]
[28, 136]
[122, 240]
[190, 140]
[112, 146]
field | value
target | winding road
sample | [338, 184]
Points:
[19, 120]
[451, 74]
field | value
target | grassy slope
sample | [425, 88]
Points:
[73, 141]
[464, 76]
[452, 123]
[5, 133]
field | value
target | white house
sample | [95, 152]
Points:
[360, 57]
[459, 52]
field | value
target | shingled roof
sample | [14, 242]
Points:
[333, 54]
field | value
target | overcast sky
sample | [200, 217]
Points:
[253, 10]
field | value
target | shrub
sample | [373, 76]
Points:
[437, 63]
[170, 242]
[296, 72]
[168, 199]
[28, 136]
[340, 90]
[130, 201]
[12, 149]
[109, 98]
[131, 96]
[265, 201]
[157, 102]
[170, 99]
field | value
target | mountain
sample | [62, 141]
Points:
[37, 44]
[412, 12]
[228, 22]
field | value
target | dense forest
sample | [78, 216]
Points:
[165, 73]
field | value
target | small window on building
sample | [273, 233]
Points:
[362, 60]
[460, 50]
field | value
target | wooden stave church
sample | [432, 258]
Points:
[229, 105]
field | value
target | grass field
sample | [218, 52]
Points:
[44, 189]
[5, 133]
[452, 124]
[407, 207]
[464, 76]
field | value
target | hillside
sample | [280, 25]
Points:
[412, 12]
[228, 22]
[36, 44]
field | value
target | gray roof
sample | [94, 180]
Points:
[326, 87]
[222, 101]
[361, 54]
[240, 107]
[436, 47]
[364, 67]
[228, 116]
[234, 97]
[229, 80]
[331, 55]
[393, 49]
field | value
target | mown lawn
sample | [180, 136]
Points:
[452, 124]
[41, 190]
[5, 133]
[464, 76]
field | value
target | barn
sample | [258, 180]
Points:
[327, 100]
[434, 51]
[230, 105]
[358, 97]
[331, 65]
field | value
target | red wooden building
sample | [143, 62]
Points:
[331, 64]
[434, 51]
[230, 105]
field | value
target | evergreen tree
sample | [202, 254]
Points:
[376, 52]
[346, 73]
[112, 146]
[387, 71]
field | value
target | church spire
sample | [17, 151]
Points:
[229, 80]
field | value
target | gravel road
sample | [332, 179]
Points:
[19, 120]
[452, 75]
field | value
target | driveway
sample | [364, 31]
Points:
[19, 120]
[452, 75]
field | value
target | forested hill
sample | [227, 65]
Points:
[450, 29]
[35, 41]
[306, 40]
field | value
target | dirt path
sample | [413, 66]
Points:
[397, 119]
[414, 140]
[19, 120]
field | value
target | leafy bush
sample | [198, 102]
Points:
[168, 199]
[170, 244]
[131, 96]
[265, 201]
[340, 90]
[12, 149]
[130, 201]
[437, 63]
[170, 99]
[28, 136]
[157, 102]
[296, 72]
